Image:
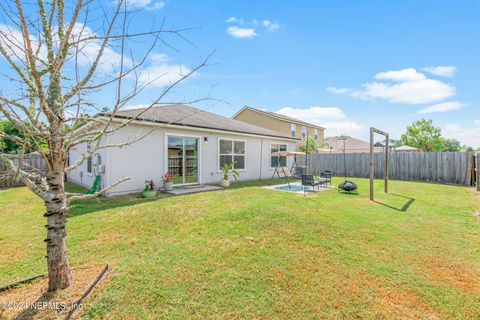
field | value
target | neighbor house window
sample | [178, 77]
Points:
[315, 133]
[89, 160]
[304, 132]
[232, 150]
[293, 130]
[276, 160]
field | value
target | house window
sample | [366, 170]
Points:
[276, 160]
[315, 133]
[89, 161]
[304, 132]
[293, 130]
[232, 150]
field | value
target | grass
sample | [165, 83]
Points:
[249, 252]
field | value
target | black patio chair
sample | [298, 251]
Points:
[309, 181]
[327, 175]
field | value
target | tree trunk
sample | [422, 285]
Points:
[59, 273]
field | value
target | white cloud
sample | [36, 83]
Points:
[248, 29]
[469, 136]
[476, 123]
[443, 71]
[270, 26]
[313, 114]
[159, 73]
[443, 107]
[338, 90]
[235, 20]
[146, 4]
[239, 32]
[11, 40]
[410, 92]
[88, 51]
[407, 86]
[332, 118]
[410, 74]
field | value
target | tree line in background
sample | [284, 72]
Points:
[424, 135]
[11, 145]
[421, 134]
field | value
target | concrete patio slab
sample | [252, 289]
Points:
[296, 187]
[192, 189]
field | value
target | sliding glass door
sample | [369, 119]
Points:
[182, 159]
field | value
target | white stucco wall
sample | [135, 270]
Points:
[80, 175]
[146, 159]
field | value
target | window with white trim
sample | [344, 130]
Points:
[274, 160]
[315, 133]
[293, 130]
[231, 150]
[89, 160]
[304, 132]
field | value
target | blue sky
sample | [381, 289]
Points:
[346, 65]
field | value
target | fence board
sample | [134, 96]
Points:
[442, 167]
[33, 163]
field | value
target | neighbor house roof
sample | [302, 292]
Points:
[350, 144]
[278, 116]
[406, 148]
[183, 115]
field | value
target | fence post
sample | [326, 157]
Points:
[372, 174]
[478, 170]
[385, 168]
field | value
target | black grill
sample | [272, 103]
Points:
[348, 186]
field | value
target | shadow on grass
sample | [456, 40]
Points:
[405, 206]
[81, 207]
[258, 183]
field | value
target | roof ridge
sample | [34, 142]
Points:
[279, 115]
[181, 114]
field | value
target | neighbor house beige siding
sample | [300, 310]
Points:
[264, 120]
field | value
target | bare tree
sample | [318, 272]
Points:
[55, 69]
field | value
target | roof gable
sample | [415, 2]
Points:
[278, 116]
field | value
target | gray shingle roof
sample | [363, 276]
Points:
[350, 144]
[179, 114]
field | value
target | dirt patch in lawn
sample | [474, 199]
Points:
[12, 254]
[403, 303]
[344, 292]
[460, 275]
[32, 301]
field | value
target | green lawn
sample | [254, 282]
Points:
[249, 252]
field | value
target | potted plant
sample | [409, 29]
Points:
[149, 191]
[168, 181]
[227, 171]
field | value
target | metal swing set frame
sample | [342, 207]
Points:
[289, 173]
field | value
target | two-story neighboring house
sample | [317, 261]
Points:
[280, 123]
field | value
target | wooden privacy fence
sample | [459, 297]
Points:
[443, 167]
[32, 162]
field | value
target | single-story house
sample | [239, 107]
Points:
[190, 143]
[403, 148]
